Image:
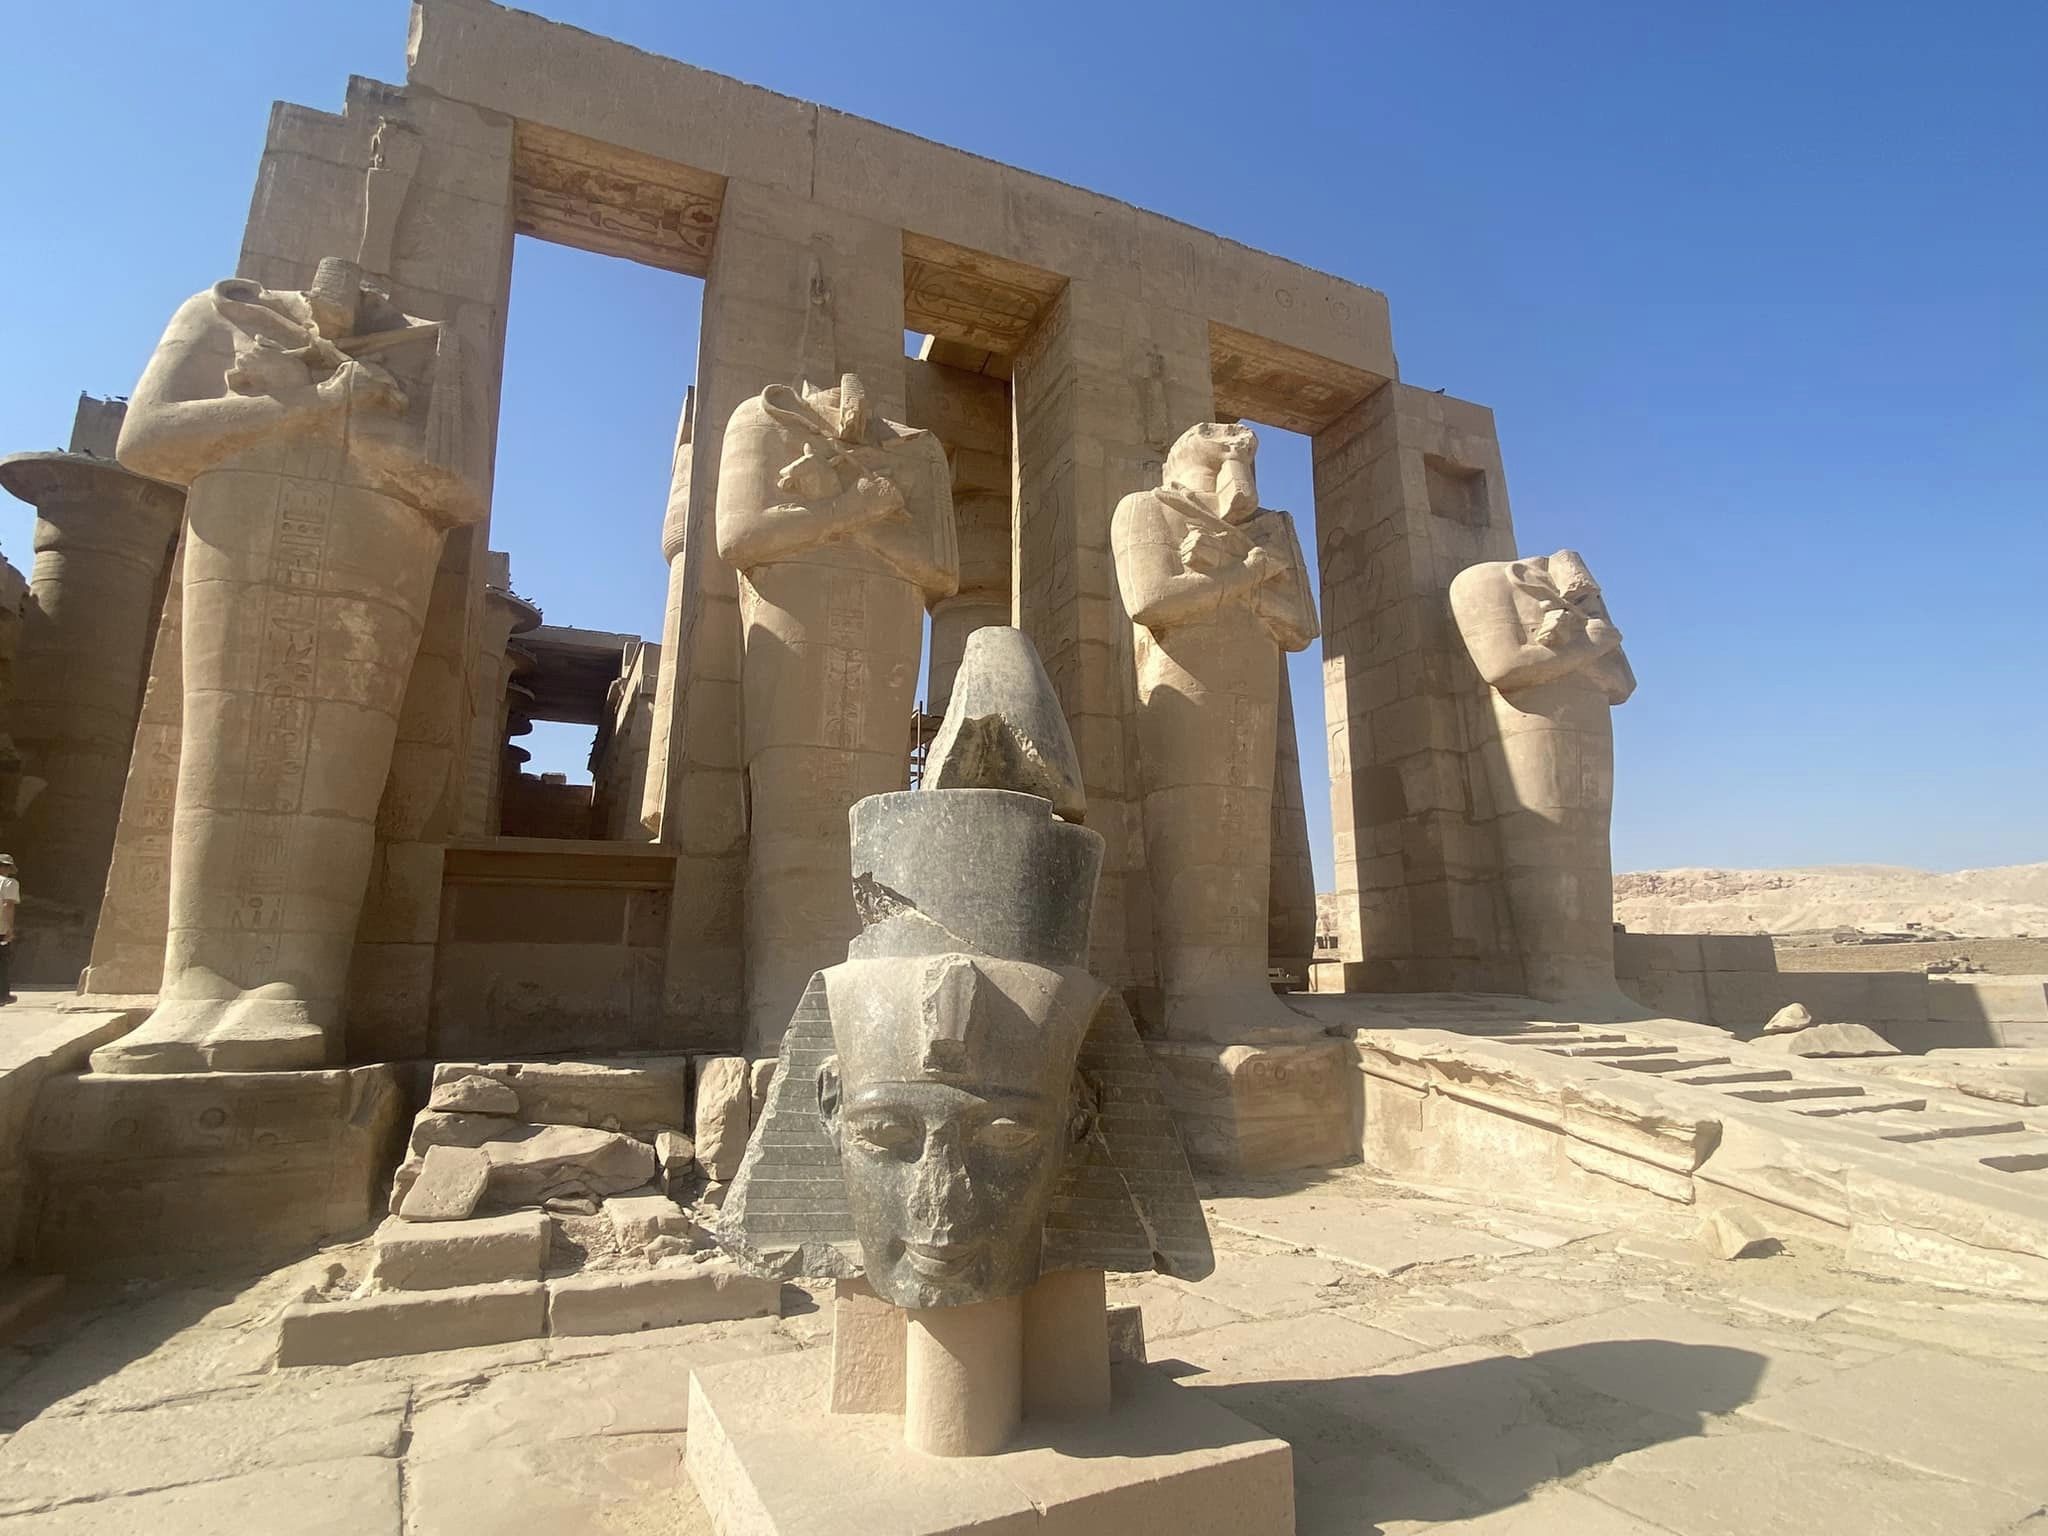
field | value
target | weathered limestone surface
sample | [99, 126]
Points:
[840, 525]
[1217, 589]
[1260, 1108]
[1291, 899]
[103, 543]
[421, 1256]
[320, 484]
[1539, 632]
[1410, 491]
[153, 1172]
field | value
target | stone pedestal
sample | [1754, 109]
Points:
[103, 545]
[767, 1457]
[144, 1174]
[1261, 1109]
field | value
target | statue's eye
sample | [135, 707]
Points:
[885, 1133]
[1008, 1135]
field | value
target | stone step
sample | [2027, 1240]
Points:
[1934, 1125]
[1863, 1106]
[1503, 1028]
[1797, 1091]
[1551, 1041]
[1605, 1052]
[1739, 1075]
[1672, 1063]
[2018, 1162]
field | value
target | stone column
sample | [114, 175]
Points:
[794, 289]
[1410, 491]
[675, 521]
[1291, 900]
[1101, 388]
[103, 544]
[505, 614]
[13, 599]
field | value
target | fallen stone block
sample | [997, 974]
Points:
[1730, 1234]
[639, 1219]
[410, 1323]
[724, 1111]
[447, 1186]
[1821, 1040]
[473, 1094]
[641, 1095]
[1792, 1016]
[677, 1155]
[433, 1128]
[407, 1256]
[711, 1292]
[537, 1163]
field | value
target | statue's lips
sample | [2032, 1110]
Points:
[941, 1260]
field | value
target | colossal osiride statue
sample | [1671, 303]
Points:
[841, 527]
[1539, 632]
[1217, 589]
[323, 437]
[961, 1113]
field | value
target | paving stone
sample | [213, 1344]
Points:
[1766, 1484]
[1538, 1299]
[1170, 1311]
[1259, 1279]
[1670, 1359]
[710, 1292]
[1372, 1495]
[581, 1347]
[62, 1457]
[353, 1497]
[1311, 1348]
[407, 1323]
[1792, 1306]
[1958, 1418]
[1437, 1324]
[613, 1485]
[1380, 1238]
[630, 1392]
[422, 1256]
[1547, 1512]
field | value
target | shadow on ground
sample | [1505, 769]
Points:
[1454, 1441]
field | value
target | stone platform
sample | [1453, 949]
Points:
[1261, 1108]
[176, 1170]
[767, 1459]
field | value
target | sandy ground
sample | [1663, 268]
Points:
[1991, 903]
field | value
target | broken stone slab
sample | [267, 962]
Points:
[1127, 1335]
[406, 1256]
[640, 1094]
[410, 1323]
[537, 1163]
[1004, 728]
[639, 1219]
[473, 1094]
[1733, 1234]
[1788, 1018]
[1828, 1040]
[677, 1155]
[724, 1110]
[448, 1185]
[710, 1292]
[435, 1128]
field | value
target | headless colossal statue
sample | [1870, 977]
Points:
[1539, 632]
[841, 527]
[1217, 588]
[321, 437]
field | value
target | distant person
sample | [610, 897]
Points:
[10, 903]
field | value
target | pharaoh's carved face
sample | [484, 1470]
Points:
[1218, 458]
[951, 1148]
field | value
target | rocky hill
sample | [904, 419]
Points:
[1989, 903]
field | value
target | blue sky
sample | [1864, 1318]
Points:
[1759, 293]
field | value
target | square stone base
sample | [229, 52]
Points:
[181, 1170]
[1262, 1108]
[768, 1460]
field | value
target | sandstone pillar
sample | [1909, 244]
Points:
[1409, 491]
[505, 614]
[794, 289]
[1291, 898]
[103, 544]
[674, 523]
[1101, 388]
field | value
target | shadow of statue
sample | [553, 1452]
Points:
[1454, 1441]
